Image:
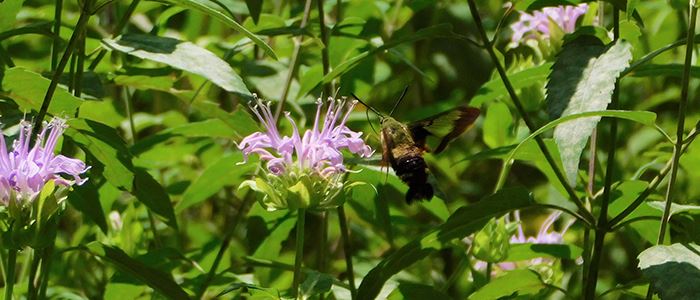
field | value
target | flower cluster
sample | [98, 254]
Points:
[539, 23]
[546, 235]
[308, 164]
[26, 169]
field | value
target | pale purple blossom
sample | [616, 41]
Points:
[27, 168]
[537, 24]
[317, 150]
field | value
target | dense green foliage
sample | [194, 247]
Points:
[576, 131]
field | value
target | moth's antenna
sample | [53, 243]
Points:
[399, 101]
[367, 112]
[365, 104]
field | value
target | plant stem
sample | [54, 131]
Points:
[682, 107]
[117, 31]
[228, 236]
[82, 21]
[602, 225]
[347, 249]
[586, 255]
[80, 66]
[489, 268]
[324, 51]
[10, 279]
[680, 128]
[323, 247]
[521, 110]
[294, 60]
[46, 260]
[299, 256]
[591, 163]
[57, 31]
[31, 283]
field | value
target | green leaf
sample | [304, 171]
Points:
[85, 198]
[624, 194]
[239, 120]
[156, 279]
[642, 117]
[104, 144]
[675, 208]
[519, 252]
[316, 283]
[513, 283]
[8, 13]
[181, 55]
[663, 70]
[153, 195]
[461, 223]
[214, 10]
[582, 80]
[219, 174]
[415, 291]
[498, 125]
[27, 89]
[254, 7]
[673, 270]
[495, 89]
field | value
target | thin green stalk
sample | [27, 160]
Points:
[117, 31]
[32, 290]
[323, 247]
[347, 250]
[680, 128]
[299, 256]
[586, 255]
[82, 21]
[56, 45]
[602, 225]
[489, 269]
[228, 236]
[10, 279]
[462, 266]
[324, 51]
[521, 110]
[294, 60]
[79, 66]
[46, 260]
[339, 10]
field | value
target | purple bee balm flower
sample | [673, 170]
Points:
[25, 170]
[304, 170]
[537, 24]
[318, 149]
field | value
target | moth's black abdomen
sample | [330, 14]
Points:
[419, 192]
[413, 170]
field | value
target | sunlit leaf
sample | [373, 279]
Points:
[221, 173]
[514, 283]
[27, 89]
[181, 55]
[217, 12]
[582, 80]
[104, 144]
[674, 270]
